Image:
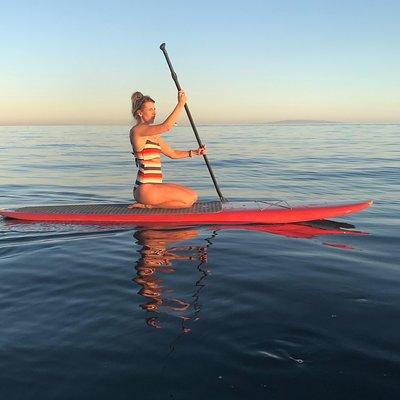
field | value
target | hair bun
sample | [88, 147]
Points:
[136, 97]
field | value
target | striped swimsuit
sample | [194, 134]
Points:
[149, 163]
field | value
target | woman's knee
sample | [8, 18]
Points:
[191, 197]
[194, 196]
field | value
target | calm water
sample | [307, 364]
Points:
[100, 312]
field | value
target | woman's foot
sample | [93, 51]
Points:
[140, 205]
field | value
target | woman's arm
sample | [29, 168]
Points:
[167, 125]
[175, 154]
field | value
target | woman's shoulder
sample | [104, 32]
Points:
[138, 135]
[139, 130]
[133, 133]
[132, 130]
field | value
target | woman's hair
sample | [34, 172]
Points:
[138, 101]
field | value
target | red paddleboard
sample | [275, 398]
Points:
[202, 213]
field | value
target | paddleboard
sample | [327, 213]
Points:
[201, 213]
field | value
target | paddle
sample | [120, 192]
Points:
[178, 86]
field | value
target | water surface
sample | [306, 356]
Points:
[200, 312]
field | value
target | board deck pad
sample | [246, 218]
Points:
[122, 209]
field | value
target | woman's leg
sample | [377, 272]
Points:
[165, 195]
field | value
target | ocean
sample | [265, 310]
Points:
[267, 312]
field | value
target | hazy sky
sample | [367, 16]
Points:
[79, 61]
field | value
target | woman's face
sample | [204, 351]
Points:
[148, 112]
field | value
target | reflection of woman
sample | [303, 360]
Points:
[147, 144]
[155, 259]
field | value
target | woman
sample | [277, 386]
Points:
[147, 144]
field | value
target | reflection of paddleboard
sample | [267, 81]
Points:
[297, 230]
[202, 213]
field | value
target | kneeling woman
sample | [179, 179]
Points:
[147, 145]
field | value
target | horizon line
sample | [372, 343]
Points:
[283, 122]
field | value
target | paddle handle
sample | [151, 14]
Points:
[178, 86]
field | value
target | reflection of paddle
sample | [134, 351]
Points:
[178, 86]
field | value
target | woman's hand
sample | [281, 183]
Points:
[182, 97]
[199, 152]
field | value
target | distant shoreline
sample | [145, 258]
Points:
[303, 121]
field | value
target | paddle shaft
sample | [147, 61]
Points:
[178, 86]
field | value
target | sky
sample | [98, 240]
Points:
[78, 62]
